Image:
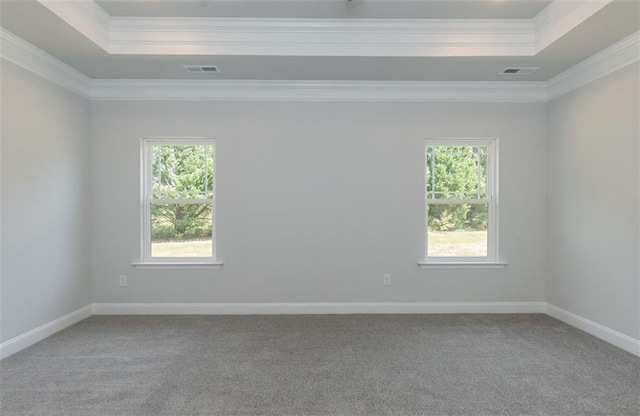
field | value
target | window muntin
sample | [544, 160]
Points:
[178, 200]
[460, 200]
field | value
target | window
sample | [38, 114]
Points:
[178, 200]
[461, 200]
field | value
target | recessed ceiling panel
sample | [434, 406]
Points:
[39, 26]
[363, 9]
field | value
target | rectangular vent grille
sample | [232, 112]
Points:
[519, 70]
[201, 69]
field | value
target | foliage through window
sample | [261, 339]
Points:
[460, 200]
[179, 199]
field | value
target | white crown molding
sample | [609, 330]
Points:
[351, 91]
[324, 37]
[560, 17]
[320, 37]
[611, 59]
[86, 16]
[24, 54]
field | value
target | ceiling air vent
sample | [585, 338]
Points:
[201, 69]
[519, 70]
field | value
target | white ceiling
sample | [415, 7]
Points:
[364, 9]
[38, 25]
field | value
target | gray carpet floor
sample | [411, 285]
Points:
[321, 365]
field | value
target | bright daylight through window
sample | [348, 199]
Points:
[460, 200]
[178, 200]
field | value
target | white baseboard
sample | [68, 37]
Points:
[27, 339]
[609, 335]
[314, 308]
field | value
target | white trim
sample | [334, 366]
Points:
[317, 91]
[491, 200]
[461, 265]
[146, 200]
[295, 308]
[22, 53]
[27, 339]
[560, 17]
[609, 335]
[25, 55]
[615, 57]
[323, 37]
[173, 265]
[86, 16]
[611, 59]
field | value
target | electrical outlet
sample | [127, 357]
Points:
[123, 280]
[386, 279]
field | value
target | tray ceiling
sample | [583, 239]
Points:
[121, 51]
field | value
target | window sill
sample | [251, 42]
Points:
[178, 265]
[461, 265]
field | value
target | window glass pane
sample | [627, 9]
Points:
[457, 230]
[182, 172]
[181, 230]
[456, 172]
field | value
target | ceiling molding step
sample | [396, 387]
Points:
[317, 91]
[22, 53]
[324, 37]
[321, 37]
[560, 17]
[86, 16]
[26, 55]
[611, 59]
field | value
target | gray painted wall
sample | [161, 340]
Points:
[45, 196]
[316, 201]
[593, 210]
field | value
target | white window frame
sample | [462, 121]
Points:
[491, 199]
[146, 192]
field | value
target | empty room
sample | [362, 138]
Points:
[320, 207]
